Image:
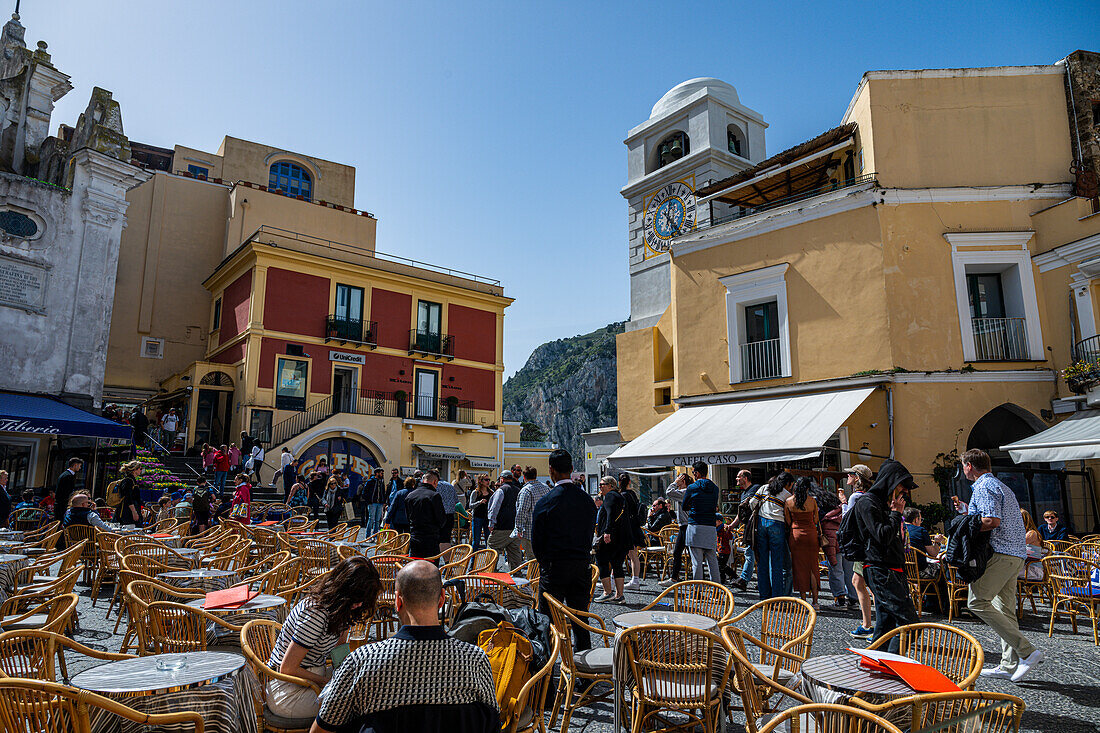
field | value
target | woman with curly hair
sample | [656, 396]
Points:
[319, 623]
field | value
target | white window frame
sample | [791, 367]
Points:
[1015, 254]
[751, 288]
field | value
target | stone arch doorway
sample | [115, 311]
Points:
[356, 459]
[1002, 425]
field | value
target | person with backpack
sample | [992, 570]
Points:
[877, 518]
[859, 480]
[200, 507]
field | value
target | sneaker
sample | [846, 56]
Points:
[997, 673]
[602, 598]
[666, 583]
[840, 602]
[740, 584]
[862, 633]
[1024, 665]
[618, 599]
[634, 584]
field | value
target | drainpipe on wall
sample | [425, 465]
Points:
[890, 417]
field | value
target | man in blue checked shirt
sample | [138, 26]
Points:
[992, 597]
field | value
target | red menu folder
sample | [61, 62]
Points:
[230, 598]
[162, 536]
[271, 523]
[502, 577]
[920, 677]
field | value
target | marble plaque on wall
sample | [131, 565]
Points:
[22, 284]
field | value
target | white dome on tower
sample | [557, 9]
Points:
[674, 97]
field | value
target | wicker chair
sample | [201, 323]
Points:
[89, 535]
[161, 553]
[106, 567]
[55, 614]
[668, 539]
[482, 561]
[382, 537]
[386, 612]
[786, 636]
[502, 593]
[530, 570]
[42, 590]
[760, 693]
[531, 700]
[175, 627]
[257, 643]
[66, 561]
[31, 536]
[920, 586]
[317, 557]
[952, 651]
[27, 519]
[47, 707]
[233, 558]
[988, 712]
[43, 544]
[143, 565]
[1030, 588]
[827, 718]
[31, 654]
[697, 596]
[653, 552]
[676, 669]
[581, 672]
[138, 593]
[1071, 583]
[958, 591]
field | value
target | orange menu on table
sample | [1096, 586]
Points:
[162, 536]
[502, 577]
[920, 677]
[267, 524]
[229, 598]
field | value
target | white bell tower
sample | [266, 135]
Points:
[697, 133]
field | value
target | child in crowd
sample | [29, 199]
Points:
[182, 510]
[164, 508]
[725, 538]
[28, 500]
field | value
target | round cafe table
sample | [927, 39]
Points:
[837, 677]
[253, 607]
[10, 565]
[205, 580]
[675, 618]
[11, 535]
[10, 546]
[218, 686]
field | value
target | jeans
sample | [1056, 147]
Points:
[480, 532]
[849, 570]
[288, 482]
[893, 606]
[374, 518]
[749, 566]
[771, 548]
[836, 579]
[219, 480]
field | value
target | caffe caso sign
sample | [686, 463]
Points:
[715, 459]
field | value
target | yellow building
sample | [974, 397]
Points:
[889, 288]
[251, 298]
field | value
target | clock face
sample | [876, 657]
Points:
[668, 213]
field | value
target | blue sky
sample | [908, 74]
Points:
[488, 136]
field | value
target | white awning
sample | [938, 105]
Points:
[758, 431]
[1075, 438]
[440, 452]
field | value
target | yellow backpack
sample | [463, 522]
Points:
[509, 653]
[114, 494]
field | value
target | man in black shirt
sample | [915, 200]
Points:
[424, 509]
[562, 527]
[66, 484]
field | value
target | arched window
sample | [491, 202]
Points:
[735, 141]
[673, 147]
[290, 179]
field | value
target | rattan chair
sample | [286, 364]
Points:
[502, 593]
[827, 718]
[952, 651]
[161, 553]
[668, 539]
[27, 519]
[31, 536]
[175, 627]
[317, 557]
[530, 570]
[581, 672]
[38, 571]
[54, 614]
[920, 586]
[786, 635]
[1030, 588]
[529, 706]
[675, 669]
[144, 565]
[987, 712]
[697, 596]
[958, 591]
[760, 693]
[106, 567]
[89, 535]
[1071, 583]
[138, 592]
[653, 552]
[47, 707]
[382, 537]
[42, 589]
[32, 654]
[257, 643]
[482, 561]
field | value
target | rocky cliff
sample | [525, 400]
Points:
[567, 387]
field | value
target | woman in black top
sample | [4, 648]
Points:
[317, 481]
[613, 540]
[130, 510]
[637, 537]
[479, 511]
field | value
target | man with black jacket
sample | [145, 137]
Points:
[878, 520]
[66, 484]
[424, 509]
[502, 520]
[562, 527]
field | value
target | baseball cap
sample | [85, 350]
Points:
[506, 474]
[860, 470]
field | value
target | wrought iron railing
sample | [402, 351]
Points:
[301, 421]
[761, 360]
[1000, 339]
[431, 342]
[750, 210]
[1087, 349]
[354, 330]
[428, 407]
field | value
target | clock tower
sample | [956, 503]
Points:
[697, 133]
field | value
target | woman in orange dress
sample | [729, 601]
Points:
[803, 520]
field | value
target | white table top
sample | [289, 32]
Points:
[8, 557]
[655, 616]
[205, 573]
[259, 603]
[141, 674]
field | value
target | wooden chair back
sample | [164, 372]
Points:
[317, 556]
[482, 561]
[1070, 580]
[698, 596]
[956, 712]
[382, 536]
[48, 707]
[27, 519]
[828, 718]
[145, 565]
[175, 627]
[502, 593]
[760, 692]
[786, 624]
[89, 535]
[32, 653]
[257, 643]
[952, 651]
[59, 610]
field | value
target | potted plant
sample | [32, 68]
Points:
[1082, 376]
[401, 398]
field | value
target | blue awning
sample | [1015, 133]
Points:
[23, 413]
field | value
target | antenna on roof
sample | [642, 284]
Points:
[16, 8]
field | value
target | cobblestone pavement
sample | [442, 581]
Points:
[1062, 694]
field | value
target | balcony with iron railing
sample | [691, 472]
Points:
[378, 403]
[351, 330]
[761, 360]
[1087, 349]
[431, 343]
[1000, 339]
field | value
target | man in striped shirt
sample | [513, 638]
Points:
[529, 495]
